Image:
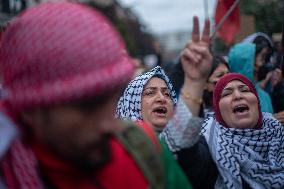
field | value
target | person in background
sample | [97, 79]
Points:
[245, 59]
[269, 74]
[64, 67]
[275, 78]
[219, 68]
[265, 59]
[139, 67]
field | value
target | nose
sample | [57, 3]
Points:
[160, 97]
[237, 94]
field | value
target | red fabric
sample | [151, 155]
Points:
[19, 165]
[223, 81]
[232, 25]
[120, 173]
[57, 52]
[150, 132]
[19, 168]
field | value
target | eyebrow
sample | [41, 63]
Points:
[221, 71]
[232, 88]
[153, 88]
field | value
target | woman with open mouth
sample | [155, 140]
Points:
[245, 144]
[149, 100]
[149, 97]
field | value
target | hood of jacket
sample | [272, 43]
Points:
[242, 59]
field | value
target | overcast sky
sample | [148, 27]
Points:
[163, 16]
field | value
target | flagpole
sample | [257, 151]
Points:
[225, 17]
[206, 13]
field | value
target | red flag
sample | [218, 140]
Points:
[231, 25]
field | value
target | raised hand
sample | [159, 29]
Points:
[196, 58]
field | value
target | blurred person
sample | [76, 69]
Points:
[244, 59]
[274, 83]
[64, 67]
[264, 58]
[150, 97]
[269, 74]
[264, 51]
[245, 144]
[139, 67]
[219, 68]
[277, 93]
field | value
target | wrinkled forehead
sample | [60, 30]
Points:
[156, 82]
[136, 86]
[235, 83]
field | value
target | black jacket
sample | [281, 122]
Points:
[198, 165]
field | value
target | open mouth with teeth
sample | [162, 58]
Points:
[241, 109]
[160, 110]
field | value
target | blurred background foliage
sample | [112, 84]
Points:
[268, 14]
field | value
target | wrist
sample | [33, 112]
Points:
[187, 96]
[197, 85]
[193, 90]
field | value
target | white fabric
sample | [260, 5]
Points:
[255, 156]
[182, 131]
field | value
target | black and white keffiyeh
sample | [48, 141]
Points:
[253, 156]
[182, 131]
[129, 104]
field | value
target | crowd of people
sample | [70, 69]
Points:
[76, 113]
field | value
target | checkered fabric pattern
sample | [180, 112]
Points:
[57, 52]
[182, 131]
[129, 104]
[253, 155]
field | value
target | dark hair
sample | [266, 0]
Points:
[217, 60]
[261, 43]
[208, 95]
[176, 75]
